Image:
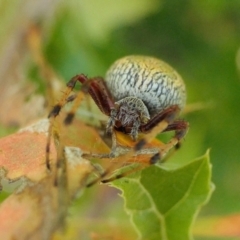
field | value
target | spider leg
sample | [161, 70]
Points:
[65, 98]
[56, 110]
[102, 176]
[153, 159]
[160, 123]
[98, 91]
[179, 126]
[110, 155]
[115, 150]
[120, 163]
[124, 174]
[112, 166]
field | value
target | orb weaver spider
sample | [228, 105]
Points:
[139, 95]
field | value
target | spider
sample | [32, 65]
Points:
[141, 96]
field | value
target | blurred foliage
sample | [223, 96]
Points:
[200, 39]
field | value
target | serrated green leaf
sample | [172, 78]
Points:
[163, 203]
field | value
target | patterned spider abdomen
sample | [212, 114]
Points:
[156, 83]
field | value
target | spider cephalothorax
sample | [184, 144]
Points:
[128, 115]
[139, 94]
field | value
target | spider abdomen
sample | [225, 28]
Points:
[156, 83]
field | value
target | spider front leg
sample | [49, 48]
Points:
[98, 91]
[56, 110]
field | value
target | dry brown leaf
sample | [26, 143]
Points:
[39, 206]
[37, 209]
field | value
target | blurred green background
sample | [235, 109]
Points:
[200, 39]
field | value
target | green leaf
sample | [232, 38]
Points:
[163, 203]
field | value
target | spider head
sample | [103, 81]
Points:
[128, 115]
